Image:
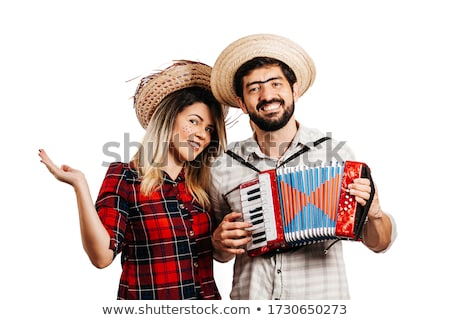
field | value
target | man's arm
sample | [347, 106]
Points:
[378, 229]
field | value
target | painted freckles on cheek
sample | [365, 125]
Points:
[187, 129]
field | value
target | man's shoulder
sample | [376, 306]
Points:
[310, 134]
[334, 147]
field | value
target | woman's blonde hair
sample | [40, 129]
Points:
[154, 149]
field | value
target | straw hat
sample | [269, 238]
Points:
[259, 45]
[155, 87]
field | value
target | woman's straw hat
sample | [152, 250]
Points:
[259, 45]
[155, 87]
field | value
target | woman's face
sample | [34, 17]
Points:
[191, 133]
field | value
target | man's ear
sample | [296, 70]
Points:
[242, 105]
[295, 91]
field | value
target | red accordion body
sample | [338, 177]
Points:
[295, 206]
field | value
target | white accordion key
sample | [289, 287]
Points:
[252, 210]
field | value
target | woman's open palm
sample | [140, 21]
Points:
[64, 173]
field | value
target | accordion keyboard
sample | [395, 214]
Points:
[257, 208]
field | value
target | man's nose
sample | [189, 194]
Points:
[266, 92]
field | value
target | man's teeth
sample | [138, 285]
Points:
[270, 107]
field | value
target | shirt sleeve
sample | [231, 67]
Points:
[112, 205]
[218, 205]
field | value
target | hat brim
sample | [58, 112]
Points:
[154, 88]
[259, 45]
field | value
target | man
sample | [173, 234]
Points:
[264, 75]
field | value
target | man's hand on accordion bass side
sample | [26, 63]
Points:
[378, 229]
[360, 188]
[231, 235]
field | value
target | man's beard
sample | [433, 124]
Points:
[267, 124]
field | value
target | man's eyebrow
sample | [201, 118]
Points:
[261, 82]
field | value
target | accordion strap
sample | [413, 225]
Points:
[295, 155]
[363, 220]
[242, 160]
[303, 150]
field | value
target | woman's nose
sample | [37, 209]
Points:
[201, 133]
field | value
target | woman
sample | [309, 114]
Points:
[154, 210]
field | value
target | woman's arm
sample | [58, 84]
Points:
[94, 236]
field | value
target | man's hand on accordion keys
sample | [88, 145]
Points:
[231, 236]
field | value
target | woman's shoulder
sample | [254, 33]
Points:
[119, 166]
[123, 169]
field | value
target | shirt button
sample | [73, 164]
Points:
[278, 271]
[175, 184]
[181, 206]
[195, 264]
[191, 233]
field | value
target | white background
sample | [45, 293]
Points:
[382, 85]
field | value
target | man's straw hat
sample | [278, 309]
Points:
[259, 45]
[155, 87]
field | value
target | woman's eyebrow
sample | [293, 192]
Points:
[196, 115]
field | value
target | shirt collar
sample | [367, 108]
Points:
[301, 138]
[179, 178]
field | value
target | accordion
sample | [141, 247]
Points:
[294, 206]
